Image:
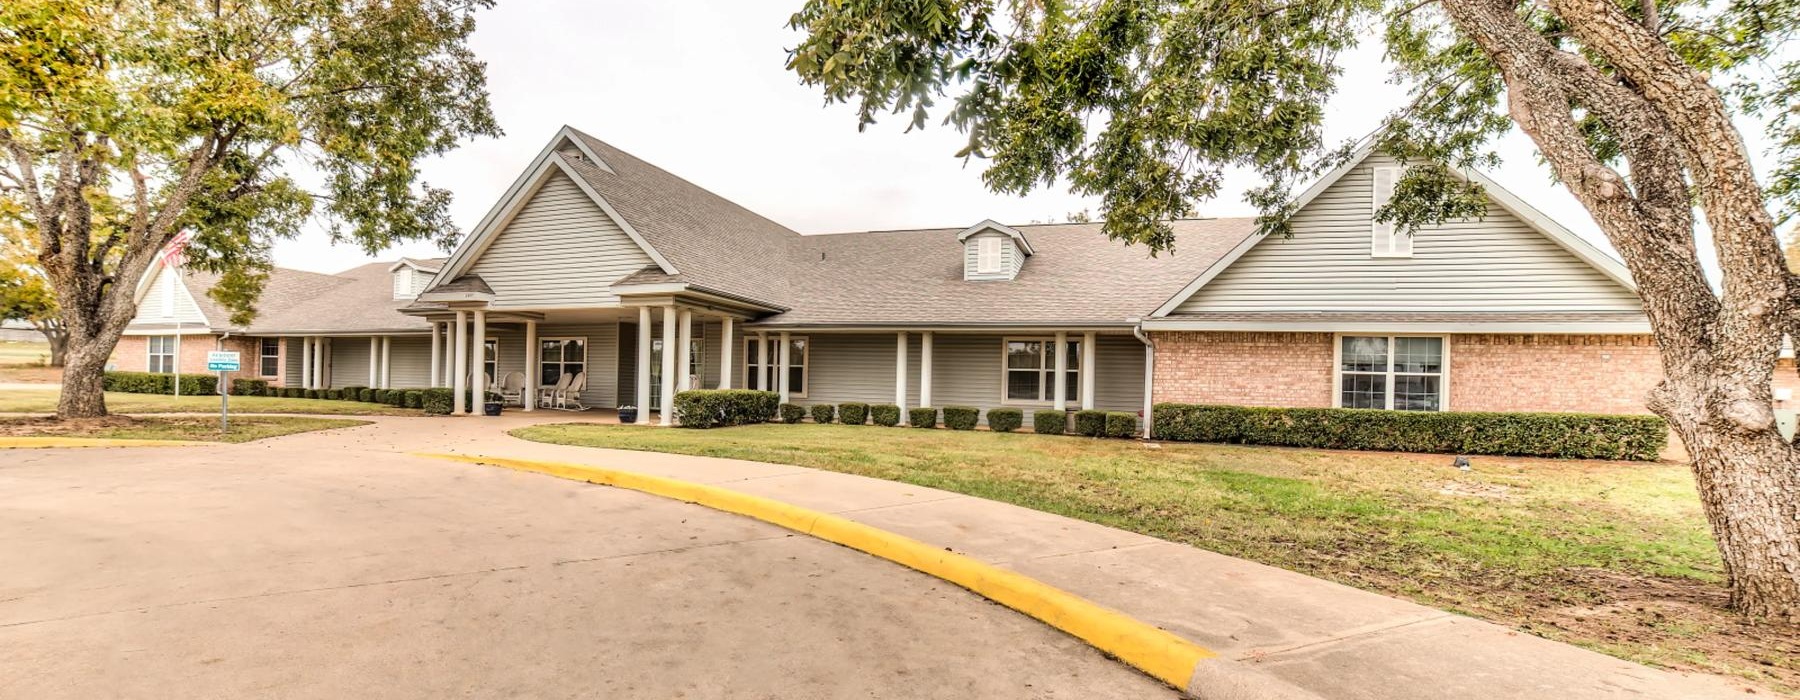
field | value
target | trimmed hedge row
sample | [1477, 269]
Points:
[1005, 420]
[792, 413]
[885, 414]
[1569, 435]
[961, 417]
[823, 413]
[718, 408]
[922, 417]
[158, 383]
[853, 413]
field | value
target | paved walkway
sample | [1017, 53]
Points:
[1336, 641]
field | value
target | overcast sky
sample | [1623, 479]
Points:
[701, 92]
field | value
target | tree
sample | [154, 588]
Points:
[123, 123]
[1144, 103]
[25, 294]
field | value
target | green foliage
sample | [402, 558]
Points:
[922, 417]
[379, 395]
[721, 408]
[159, 383]
[885, 414]
[1573, 435]
[1005, 420]
[853, 413]
[1048, 422]
[333, 394]
[436, 401]
[792, 413]
[412, 398]
[351, 393]
[1090, 423]
[249, 387]
[1120, 424]
[396, 398]
[822, 412]
[961, 417]
[310, 393]
[368, 395]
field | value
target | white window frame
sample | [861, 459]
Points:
[496, 361]
[1385, 239]
[586, 351]
[765, 369]
[1046, 389]
[1337, 368]
[150, 353]
[989, 255]
[262, 354]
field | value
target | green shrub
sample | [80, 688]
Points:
[296, 393]
[437, 401]
[311, 393]
[1049, 422]
[368, 395]
[822, 412]
[922, 417]
[334, 394]
[396, 398]
[853, 413]
[380, 395]
[961, 417]
[1575, 435]
[1000, 420]
[1090, 423]
[792, 413]
[158, 383]
[718, 408]
[413, 398]
[350, 393]
[1120, 424]
[249, 387]
[885, 414]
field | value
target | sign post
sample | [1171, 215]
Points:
[223, 361]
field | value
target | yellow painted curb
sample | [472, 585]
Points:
[31, 443]
[1165, 656]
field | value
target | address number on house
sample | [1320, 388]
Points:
[221, 361]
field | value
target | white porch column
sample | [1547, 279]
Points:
[529, 397]
[725, 347]
[375, 362]
[478, 358]
[387, 365]
[668, 366]
[900, 375]
[785, 356]
[459, 364]
[925, 368]
[306, 365]
[643, 365]
[684, 350]
[1087, 370]
[765, 351]
[1062, 368]
[437, 357]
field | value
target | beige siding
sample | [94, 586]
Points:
[560, 250]
[1011, 258]
[349, 362]
[1494, 264]
[602, 355]
[156, 306]
[409, 362]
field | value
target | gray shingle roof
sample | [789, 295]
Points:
[358, 300]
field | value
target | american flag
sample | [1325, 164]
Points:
[172, 253]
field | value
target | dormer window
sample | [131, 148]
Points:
[410, 279]
[987, 256]
[993, 251]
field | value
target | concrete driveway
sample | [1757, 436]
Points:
[319, 566]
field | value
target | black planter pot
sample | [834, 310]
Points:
[491, 408]
[628, 415]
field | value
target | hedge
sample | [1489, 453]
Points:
[885, 414]
[1573, 435]
[249, 387]
[435, 401]
[853, 413]
[1090, 423]
[1001, 420]
[396, 398]
[1120, 424]
[718, 408]
[822, 412]
[351, 393]
[381, 395]
[922, 417]
[368, 395]
[158, 383]
[792, 413]
[961, 417]
[1049, 422]
[413, 398]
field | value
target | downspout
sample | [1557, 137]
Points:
[1149, 377]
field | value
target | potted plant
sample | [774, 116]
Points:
[492, 405]
[628, 414]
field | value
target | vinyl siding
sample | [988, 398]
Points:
[1011, 258]
[1498, 263]
[290, 372]
[184, 310]
[560, 250]
[602, 356]
[409, 362]
[349, 362]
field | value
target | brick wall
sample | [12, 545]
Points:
[131, 354]
[1565, 373]
[1243, 369]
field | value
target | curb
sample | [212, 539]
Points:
[38, 443]
[1181, 664]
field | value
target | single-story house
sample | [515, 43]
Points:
[594, 262]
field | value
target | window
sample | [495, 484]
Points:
[760, 372]
[162, 353]
[559, 356]
[1386, 240]
[987, 254]
[1403, 373]
[271, 357]
[1030, 366]
[490, 359]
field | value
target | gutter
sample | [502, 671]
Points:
[1149, 378]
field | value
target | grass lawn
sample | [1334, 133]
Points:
[243, 429]
[22, 361]
[44, 401]
[1614, 556]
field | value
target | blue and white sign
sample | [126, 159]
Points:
[221, 361]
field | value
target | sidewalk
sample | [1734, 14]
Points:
[1334, 640]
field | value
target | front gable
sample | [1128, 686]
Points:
[164, 299]
[1511, 260]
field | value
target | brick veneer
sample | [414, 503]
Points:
[1572, 373]
[1243, 369]
[132, 354]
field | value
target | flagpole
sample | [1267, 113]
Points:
[172, 259]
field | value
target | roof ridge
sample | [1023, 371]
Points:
[690, 183]
[936, 229]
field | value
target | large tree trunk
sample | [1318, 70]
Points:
[83, 391]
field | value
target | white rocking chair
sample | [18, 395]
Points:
[569, 399]
[512, 389]
[546, 397]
